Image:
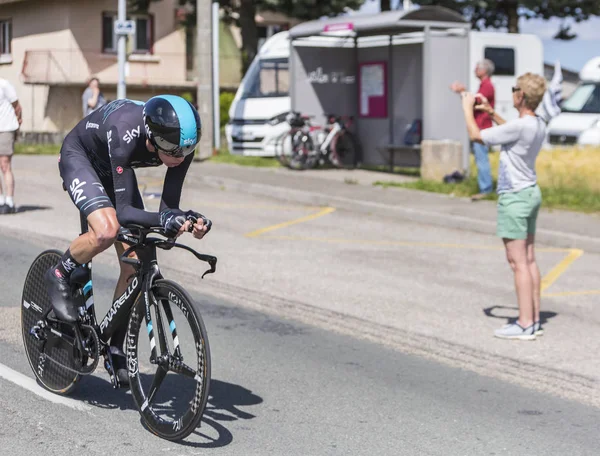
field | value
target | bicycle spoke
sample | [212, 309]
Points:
[179, 367]
[160, 375]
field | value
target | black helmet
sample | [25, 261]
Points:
[172, 124]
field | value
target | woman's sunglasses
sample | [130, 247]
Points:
[516, 89]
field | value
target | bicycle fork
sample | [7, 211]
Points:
[150, 301]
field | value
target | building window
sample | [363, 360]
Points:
[503, 58]
[143, 40]
[5, 37]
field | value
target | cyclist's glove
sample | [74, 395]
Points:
[194, 217]
[172, 220]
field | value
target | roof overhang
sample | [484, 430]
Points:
[387, 23]
[4, 2]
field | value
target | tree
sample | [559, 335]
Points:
[309, 9]
[243, 13]
[506, 13]
[139, 5]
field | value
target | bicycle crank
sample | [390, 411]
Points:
[89, 341]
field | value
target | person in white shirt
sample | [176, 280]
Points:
[10, 120]
[520, 197]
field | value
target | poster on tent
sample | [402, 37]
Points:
[372, 86]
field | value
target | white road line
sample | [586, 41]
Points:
[31, 385]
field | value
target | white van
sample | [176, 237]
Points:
[257, 114]
[579, 121]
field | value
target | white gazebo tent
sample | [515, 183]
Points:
[387, 70]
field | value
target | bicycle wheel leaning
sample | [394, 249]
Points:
[344, 150]
[163, 400]
[303, 154]
[43, 350]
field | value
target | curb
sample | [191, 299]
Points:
[543, 236]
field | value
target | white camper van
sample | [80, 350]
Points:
[579, 121]
[257, 114]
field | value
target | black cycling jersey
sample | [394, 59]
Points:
[98, 158]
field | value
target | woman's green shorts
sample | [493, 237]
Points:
[517, 213]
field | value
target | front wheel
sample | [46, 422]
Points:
[168, 361]
[344, 149]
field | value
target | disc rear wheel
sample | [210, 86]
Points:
[35, 305]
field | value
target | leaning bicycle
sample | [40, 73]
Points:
[312, 145]
[153, 308]
[298, 148]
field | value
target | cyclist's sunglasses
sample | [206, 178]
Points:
[171, 149]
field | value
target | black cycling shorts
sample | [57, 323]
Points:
[88, 191]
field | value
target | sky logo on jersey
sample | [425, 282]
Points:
[77, 190]
[131, 134]
[188, 142]
[119, 170]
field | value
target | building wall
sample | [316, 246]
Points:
[66, 39]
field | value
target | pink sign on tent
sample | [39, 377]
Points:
[372, 87]
[343, 27]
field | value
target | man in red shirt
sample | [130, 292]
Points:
[483, 71]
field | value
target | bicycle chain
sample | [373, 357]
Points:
[89, 369]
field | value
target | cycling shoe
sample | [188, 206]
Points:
[120, 366]
[61, 298]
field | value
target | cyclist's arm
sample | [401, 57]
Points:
[173, 185]
[125, 183]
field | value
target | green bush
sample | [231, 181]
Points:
[225, 100]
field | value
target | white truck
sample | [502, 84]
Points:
[579, 120]
[257, 114]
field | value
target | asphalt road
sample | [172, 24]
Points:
[283, 387]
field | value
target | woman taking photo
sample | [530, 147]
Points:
[519, 195]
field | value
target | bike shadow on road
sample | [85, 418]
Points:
[224, 405]
[501, 313]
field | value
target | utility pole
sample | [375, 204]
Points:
[121, 49]
[215, 75]
[205, 75]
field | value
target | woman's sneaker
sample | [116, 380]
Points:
[537, 329]
[515, 331]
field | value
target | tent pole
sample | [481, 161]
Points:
[357, 159]
[291, 66]
[391, 87]
[390, 84]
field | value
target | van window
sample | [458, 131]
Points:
[270, 78]
[503, 58]
[585, 99]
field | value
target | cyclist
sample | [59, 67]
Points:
[96, 164]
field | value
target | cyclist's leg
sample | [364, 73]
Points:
[89, 195]
[127, 270]
[125, 277]
[94, 197]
